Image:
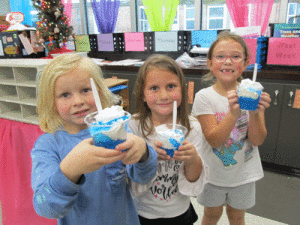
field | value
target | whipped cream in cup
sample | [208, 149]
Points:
[108, 127]
[171, 140]
[249, 94]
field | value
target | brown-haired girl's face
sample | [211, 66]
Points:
[161, 89]
[228, 61]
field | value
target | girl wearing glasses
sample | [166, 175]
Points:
[230, 155]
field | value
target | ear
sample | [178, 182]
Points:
[209, 63]
[247, 62]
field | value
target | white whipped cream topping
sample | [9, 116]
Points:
[165, 133]
[247, 83]
[248, 89]
[108, 114]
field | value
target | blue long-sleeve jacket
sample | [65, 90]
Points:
[101, 197]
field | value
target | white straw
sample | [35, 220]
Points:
[174, 115]
[255, 73]
[96, 95]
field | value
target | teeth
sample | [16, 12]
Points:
[231, 71]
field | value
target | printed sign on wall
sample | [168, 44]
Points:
[134, 42]
[105, 42]
[284, 51]
[166, 41]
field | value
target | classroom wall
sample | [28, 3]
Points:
[4, 7]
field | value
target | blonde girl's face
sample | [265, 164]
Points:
[161, 89]
[74, 99]
[229, 71]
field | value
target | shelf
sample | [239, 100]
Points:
[17, 116]
[26, 92]
[9, 107]
[29, 101]
[25, 74]
[27, 84]
[18, 88]
[8, 90]
[8, 82]
[6, 73]
[28, 111]
[10, 98]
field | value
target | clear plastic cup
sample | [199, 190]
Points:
[171, 140]
[108, 134]
[249, 96]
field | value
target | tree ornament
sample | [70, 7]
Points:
[57, 13]
[56, 29]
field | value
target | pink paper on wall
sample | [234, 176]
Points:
[284, 51]
[251, 44]
[134, 42]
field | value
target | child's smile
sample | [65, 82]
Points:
[228, 62]
[162, 88]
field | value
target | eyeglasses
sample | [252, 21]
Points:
[236, 58]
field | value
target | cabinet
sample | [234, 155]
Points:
[18, 88]
[282, 144]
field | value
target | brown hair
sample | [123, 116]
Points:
[142, 111]
[225, 35]
[50, 121]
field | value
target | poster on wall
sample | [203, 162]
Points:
[283, 51]
[287, 30]
[11, 44]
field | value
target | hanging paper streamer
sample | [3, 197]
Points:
[105, 42]
[134, 42]
[258, 10]
[166, 41]
[106, 14]
[160, 14]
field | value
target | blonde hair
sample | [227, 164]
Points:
[50, 121]
[142, 111]
[225, 35]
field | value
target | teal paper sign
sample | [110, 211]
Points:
[166, 41]
[204, 38]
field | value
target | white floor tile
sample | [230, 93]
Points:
[249, 218]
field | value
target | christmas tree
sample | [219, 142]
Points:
[53, 28]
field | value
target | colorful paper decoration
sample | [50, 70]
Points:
[166, 41]
[134, 42]
[82, 43]
[105, 42]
